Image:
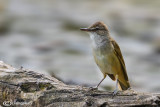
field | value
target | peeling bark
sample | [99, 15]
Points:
[26, 88]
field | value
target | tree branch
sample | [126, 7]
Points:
[21, 87]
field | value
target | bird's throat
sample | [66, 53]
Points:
[99, 41]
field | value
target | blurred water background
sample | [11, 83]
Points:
[44, 35]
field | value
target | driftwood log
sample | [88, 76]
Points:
[26, 88]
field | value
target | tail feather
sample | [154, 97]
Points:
[122, 86]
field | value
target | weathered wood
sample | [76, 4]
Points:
[26, 88]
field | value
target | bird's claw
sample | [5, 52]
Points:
[129, 88]
[114, 93]
[93, 89]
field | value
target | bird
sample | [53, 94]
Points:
[108, 56]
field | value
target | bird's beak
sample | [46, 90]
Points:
[85, 29]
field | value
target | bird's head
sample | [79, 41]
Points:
[97, 28]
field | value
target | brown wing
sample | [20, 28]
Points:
[120, 57]
[124, 84]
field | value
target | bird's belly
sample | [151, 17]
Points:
[106, 63]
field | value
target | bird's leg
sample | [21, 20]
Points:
[101, 81]
[91, 88]
[116, 90]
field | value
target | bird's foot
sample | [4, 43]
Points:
[114, 93]
[129, 88]
[93, 88]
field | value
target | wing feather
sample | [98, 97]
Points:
[120, 57]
